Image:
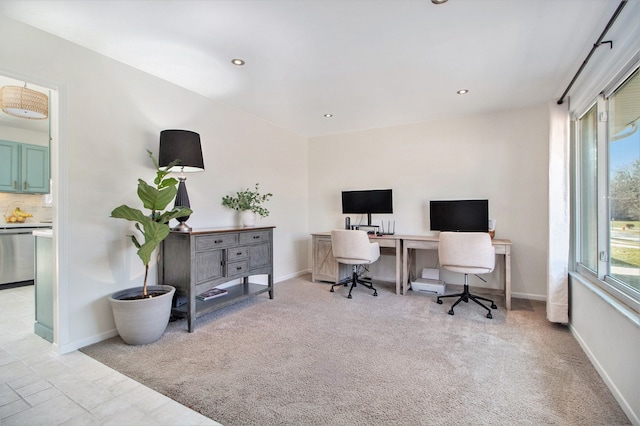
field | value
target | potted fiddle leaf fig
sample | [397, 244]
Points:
[142, 313]
[249, 204]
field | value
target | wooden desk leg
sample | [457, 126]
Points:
[405, 269]
[191, 314]
[398, 266]
[507, 278]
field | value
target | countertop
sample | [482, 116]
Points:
[45, 233]
[25, 225]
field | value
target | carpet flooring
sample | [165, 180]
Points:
[311, 357]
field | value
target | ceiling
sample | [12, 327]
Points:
[370, 63]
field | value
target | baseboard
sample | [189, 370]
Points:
[529, 296]
[292, 275]
[74, 346]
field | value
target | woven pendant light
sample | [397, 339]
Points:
[24, 103]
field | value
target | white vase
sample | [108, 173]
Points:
[247, 218]
[142, 321]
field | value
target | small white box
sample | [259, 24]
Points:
[428, 286]
[431, 274]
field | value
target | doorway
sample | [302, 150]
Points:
[44, 207]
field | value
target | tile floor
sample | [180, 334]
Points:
[41, 387]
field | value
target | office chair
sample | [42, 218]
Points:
[467, 253]
[354, 248]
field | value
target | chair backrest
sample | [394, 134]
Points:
[466, 252]
[353, 247]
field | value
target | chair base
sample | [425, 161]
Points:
[354, 282]
[465, 296]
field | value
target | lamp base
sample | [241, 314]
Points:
[182, 227]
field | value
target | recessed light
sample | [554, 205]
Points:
[462, 91]
[238, 62]
[328, 115]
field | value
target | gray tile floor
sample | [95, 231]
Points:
[41, 387]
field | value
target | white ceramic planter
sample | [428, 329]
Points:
[141, 321]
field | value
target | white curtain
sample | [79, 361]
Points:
[559, 215]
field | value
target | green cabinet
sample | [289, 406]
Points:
[35, 169]
[9, 166]
[43, 325]
[24, 168]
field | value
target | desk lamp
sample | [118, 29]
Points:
[185, 146]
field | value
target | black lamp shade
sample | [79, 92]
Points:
[183, 145]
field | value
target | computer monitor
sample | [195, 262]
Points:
[367, 202]
[459, 215]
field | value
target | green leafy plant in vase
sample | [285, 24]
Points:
[142, 315]
[248, 200]
[153, 226]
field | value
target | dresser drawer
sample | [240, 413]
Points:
[255, 237]
[208, 242]
[235, 269]
[237, 253]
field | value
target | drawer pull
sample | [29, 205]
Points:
[238, 253]
[218, 241]
[256, 237]
[238, 268]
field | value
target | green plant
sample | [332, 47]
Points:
[248, 200]
[154, 226]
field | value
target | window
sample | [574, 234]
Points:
[588, 190]
[624, 183]
[608, 190]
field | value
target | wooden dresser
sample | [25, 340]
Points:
[196, 261]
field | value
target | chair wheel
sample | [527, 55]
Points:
[489, 315]
[450, 312]
[349, 297]
[494, 306]
[331, 290]
[439, 302]
[375, 294]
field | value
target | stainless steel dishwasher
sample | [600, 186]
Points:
[16, 254]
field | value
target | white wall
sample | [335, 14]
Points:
[14, 134]
[501, 156]
[612, 341]
[109, 115]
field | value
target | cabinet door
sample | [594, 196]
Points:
[35, 169]
[43, 288]
[259, 255]
[325, 266]
[9, 166]
[209, 266]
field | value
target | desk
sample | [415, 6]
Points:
[326, 268]
[417, 242]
